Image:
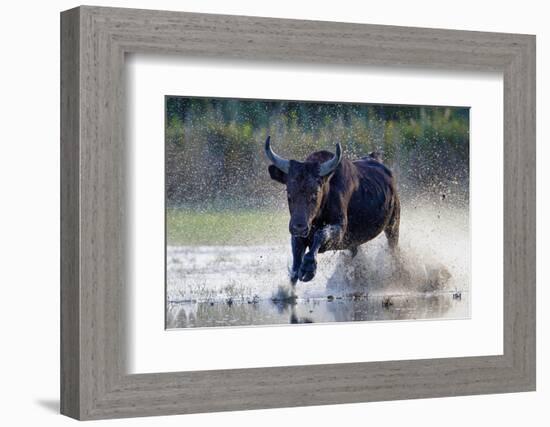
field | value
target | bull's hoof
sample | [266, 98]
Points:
[308, 269]
[306, 276]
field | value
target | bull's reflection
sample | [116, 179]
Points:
[289, 307]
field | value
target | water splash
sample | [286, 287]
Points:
[433, 258]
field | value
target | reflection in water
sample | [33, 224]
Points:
[318, 310]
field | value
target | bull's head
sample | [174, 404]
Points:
[306, 185]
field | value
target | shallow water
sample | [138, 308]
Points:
[330, 309]
[248, 285]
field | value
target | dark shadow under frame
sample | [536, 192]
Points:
[94, 270]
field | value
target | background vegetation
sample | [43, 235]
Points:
[215, 160]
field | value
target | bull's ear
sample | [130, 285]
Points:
[277, 174]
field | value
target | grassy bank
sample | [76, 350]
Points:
[225, 227]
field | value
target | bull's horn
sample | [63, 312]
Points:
[330, 165]
[278, 162]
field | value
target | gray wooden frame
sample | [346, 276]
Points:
[94, 41]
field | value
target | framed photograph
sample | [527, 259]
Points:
[262, 213]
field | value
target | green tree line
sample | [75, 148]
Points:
[214, 147]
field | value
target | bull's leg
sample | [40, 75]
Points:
[298, 249]
[327, 237]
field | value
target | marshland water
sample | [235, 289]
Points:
[211, 285]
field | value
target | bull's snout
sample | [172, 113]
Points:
[298, 228]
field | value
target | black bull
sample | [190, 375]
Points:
[335, 204]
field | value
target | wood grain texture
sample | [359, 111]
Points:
[95, 274]
[70, 258]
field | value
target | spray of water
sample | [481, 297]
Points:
[433, 256]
